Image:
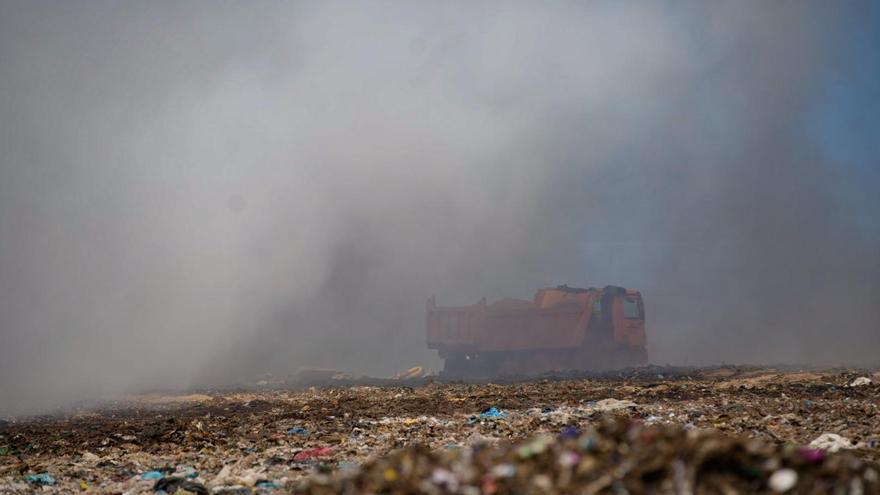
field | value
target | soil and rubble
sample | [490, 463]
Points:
[722, 430]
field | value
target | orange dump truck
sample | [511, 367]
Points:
[563, 329]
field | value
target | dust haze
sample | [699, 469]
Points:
[195, 193]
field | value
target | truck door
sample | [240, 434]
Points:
[629, 320]
[601, 327]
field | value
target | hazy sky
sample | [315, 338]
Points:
[193, 193]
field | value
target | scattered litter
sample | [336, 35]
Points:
[831, 442]
[613, 405]
[536, 446]
[569, 458]
[493, 413]
[186, 471]
[813, 455]
[540, 433]
[231, 490]
[860, 382]
[267, 484]
[249, 477]
[414, 372]
[41, 479]
[615, 457]
[783, 480]
[315, 453]
[174, 485]
[570, 431]
[505, 470]
[445, 479]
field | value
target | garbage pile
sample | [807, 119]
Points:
[617, 456]
[271, 438]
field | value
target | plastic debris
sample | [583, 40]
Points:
[268, 484]
[569, 458]
[229, 476]
[503, 471]
[40, 479]
[613, 405]
[860, 382]
[615, 457]
[812, 454]
[831, 442]
[315, 453]
[570, 431]
[343, 465]
[231, 490]
[414, 372]
[536, 446]
[175, 484]
[151, 475]
[445, 479]
[236, 439]
[783, 480]
[298, 430]
[493, 413]
[186, 471]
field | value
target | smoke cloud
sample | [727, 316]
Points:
[194, 193]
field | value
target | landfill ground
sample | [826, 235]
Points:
[650, 430]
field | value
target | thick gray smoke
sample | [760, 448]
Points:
[193, 193]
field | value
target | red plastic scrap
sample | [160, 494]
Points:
[305, 455]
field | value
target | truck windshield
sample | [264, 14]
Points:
[631, 309]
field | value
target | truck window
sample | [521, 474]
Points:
[631, 309]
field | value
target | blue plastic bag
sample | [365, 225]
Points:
[41, 479]
[493, 412]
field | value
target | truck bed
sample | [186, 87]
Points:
[509, 325]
